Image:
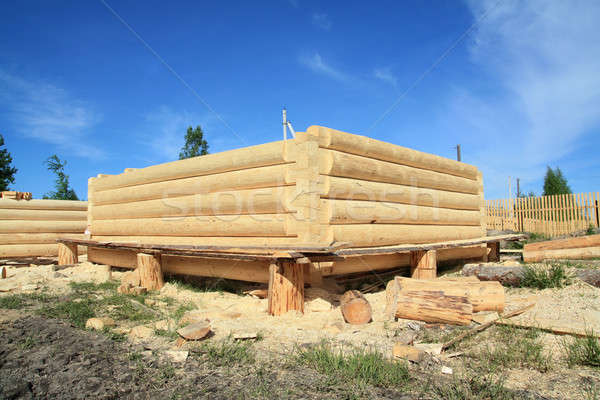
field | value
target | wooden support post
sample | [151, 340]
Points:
[423, 264]
[493, 252]
[67, 253]
[286, 287]
[149, 267]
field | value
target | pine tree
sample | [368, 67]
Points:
[195, 144]
[63, 191]
[555, 182]
[7, 172]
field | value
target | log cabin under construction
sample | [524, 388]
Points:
[305, 198]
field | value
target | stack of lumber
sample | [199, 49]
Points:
[442, 301]
[576, 248]
[9, 194]
[29, 228]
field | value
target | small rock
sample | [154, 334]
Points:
[446, 370]
[318, 305]
[58, 275]
[245, 335]
[408, 352]
[415, 326]
[141, 332]
[131, 278]
[485, 317]
[137, 290]
[164, 325]
[122, 330]
[29, 287]
[99, 323]
[177, 356]
[195, 331]
[406, 337]
[431, 348]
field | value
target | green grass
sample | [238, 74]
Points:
[76, 312]
[584, 351]
[166, 333]
[590, 230]
[181, 310]
[83, 287]
[540, 278]
[227, 352]
[359, 366]
[514, 348]
[474, 387]
[19, 301]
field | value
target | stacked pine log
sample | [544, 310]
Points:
[442, 301]
[583, 247]
[29, 228]
[324, 186]
[13, 195]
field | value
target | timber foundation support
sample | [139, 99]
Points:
[67, 254]
[286, 287]
[423, 264]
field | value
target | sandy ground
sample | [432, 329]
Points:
[231, 314]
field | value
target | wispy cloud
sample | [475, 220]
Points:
[318, 65]
[49, 113]
[545, 58]
[166, 131]
[321, 20]
[385, 75]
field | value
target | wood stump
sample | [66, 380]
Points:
[149, 268]
[67, 254]
[494, 252]
[286, 287]
[423, 264]
[355, 308]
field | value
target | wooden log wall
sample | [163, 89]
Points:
[29, 228]
[375, 193]
[324, 186]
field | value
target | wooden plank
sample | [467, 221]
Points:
[553, 326]
[428, 246]
[580, 253]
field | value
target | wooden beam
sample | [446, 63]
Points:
[286, 287]
[150, 269]
[423, 264]
[67, 253]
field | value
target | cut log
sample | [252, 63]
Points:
[355, 308]
[149, 267]
[511, 276]
[484, 296]
[581, 253]
[423, 264]
[286, 287]
[427, 305]
[570, 243]
[67, 254]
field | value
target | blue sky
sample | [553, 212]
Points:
[519, 91]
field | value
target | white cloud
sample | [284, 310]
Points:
[166, 132]
[316, 63]
[321, 20]
[385, 75]
[544, 58]
[49, 113]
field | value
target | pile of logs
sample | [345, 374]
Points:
[10, 194]
[442, 301]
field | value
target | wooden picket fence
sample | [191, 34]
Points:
[551, 216]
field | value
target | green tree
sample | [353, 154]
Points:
[7, 172]
[195, 144]
[63, 191]
[555, 182]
